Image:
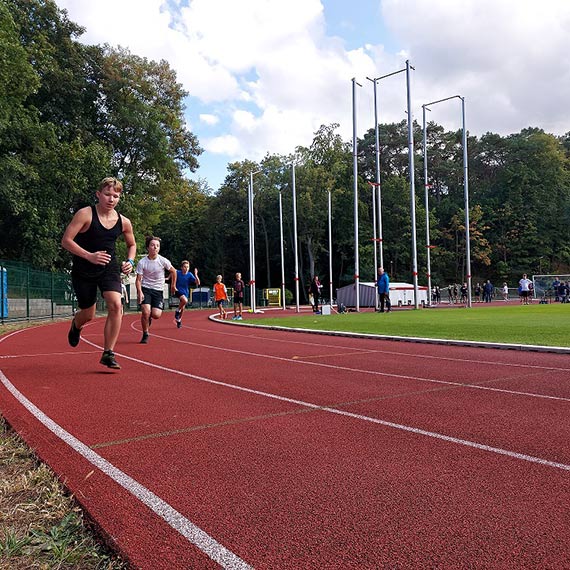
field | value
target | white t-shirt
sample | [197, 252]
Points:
[524, 283]
[152, 271]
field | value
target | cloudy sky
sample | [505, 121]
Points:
[263, 75]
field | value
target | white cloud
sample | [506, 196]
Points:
[270, 74]
[209, 119]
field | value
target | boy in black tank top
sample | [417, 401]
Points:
[90, 237]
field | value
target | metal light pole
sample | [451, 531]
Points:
[295, 239]
[465, 192]
[412, 184]
[330, 252]
[426, 188]
[282, 252]
[251, 241]
[355, 174]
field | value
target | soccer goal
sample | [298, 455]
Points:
[544, 285]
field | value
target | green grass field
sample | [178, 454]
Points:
[547, 325]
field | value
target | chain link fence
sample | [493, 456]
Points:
[29, 294]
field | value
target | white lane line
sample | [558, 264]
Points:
[208, 545]
[418, 431]
[363, 371]
[391, 352]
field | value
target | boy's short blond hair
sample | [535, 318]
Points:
[111, 181]
[218, 277]
[185, 262]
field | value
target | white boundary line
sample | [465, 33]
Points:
[371, 350]
[194, 534]
[417, 431]
[357, 370]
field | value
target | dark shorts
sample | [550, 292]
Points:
[178, 294]
[153, 297]
[238, 299]
[525, 293]
[85, 286]
[221, 302]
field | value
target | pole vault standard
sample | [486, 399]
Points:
[376, 186]
[251, 241]
[330, 252]
[282, 252]
[355, 174]
[426, 196]
[295, 238]
[465, 189]
[412, 185]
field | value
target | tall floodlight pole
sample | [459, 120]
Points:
[465, 192]
[374, 239]
[412, 184]
[426, 188]
[295, 239]
[282, 252]
[252, 242]
[330, 252]
[466, 198]
[249, 219]
[355, 174]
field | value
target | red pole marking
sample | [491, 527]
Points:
[431, 246]
[414, 273]
[356, 276]
[296, 279]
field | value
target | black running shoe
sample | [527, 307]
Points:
[108, 359]
[74, 334]
[144, 339]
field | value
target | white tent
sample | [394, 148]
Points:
[401, 294]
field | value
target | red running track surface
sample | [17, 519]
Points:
[225, 446]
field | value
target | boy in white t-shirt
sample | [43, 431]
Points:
[150, 284]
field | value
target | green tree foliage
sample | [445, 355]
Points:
[71, 114]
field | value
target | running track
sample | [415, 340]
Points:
[220, 445]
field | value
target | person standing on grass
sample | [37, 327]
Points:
[91, 237]
[220, 296]
[315, 290]
[150, 284]
[488, 291]
[524, 285]
[239, 289]
[184, 278]
[383, 284]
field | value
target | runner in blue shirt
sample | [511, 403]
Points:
[184, 278]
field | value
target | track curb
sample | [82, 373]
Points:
[423, 340]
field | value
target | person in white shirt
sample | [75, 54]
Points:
[150, 284]
[525, 285]
[505, 292]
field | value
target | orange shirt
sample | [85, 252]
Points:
[220, 292]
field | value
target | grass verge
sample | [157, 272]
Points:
[41, 526]
[547, 325]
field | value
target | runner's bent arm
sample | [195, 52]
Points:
[128, 266]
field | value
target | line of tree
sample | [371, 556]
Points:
[71, 114]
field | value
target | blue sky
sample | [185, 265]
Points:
[263, 75]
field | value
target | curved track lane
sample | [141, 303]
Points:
[220, 445]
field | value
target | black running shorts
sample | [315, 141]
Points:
[85, 286]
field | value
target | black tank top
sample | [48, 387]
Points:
[97, 238]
